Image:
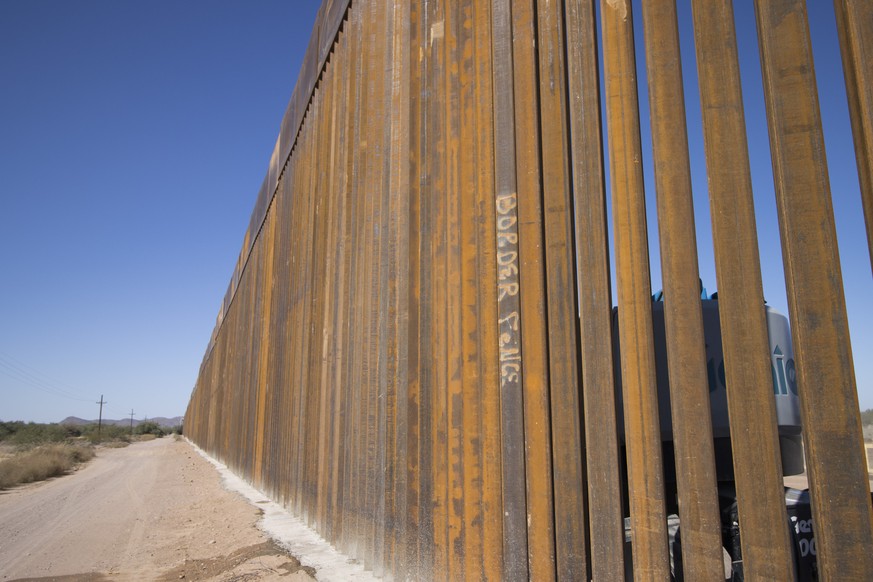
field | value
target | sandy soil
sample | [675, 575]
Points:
[151, 511]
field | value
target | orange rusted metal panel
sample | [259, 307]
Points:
[765, 544]
[416, 350]
[606, 540]
[855, 27]
[511, 403]
[532, 296]
[419, 319]
[642, 429]
[453, 285]
[568, 473]
[686, 356]
[840, 493]
[486, 435]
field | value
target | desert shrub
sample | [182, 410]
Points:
[80, 454]
[31, 434]
[8, 428]
[42, 462]
[107, 433]
[73, 430]
[149, 427]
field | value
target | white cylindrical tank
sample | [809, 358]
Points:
[784, 378]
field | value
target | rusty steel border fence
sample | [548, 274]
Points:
[415, 351]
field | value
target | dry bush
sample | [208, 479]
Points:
[7, 450]
[41, 463]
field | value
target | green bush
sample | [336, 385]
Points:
[31, 434]
[107, 433]
[149, 427]
[867, 417]
[7, 429]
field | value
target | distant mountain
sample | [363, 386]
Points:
[161, 420]
[75, 421]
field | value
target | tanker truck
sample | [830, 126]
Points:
[785, 395]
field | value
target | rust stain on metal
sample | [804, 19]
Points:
[642, 427]
[414, 353]
[839, 489]
[686, 355]
[765, 543]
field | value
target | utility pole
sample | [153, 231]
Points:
[131, 421]
[100, 418]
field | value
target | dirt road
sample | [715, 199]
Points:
[152, 511]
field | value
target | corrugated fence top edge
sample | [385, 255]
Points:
[327, 25]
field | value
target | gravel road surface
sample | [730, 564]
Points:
[151, 511]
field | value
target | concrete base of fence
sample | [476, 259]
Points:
[292, 534]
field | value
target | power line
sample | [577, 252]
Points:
[30, 380]
[40, 387]
[35, 374]
[21, 372]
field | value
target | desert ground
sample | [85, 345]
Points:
[161, 511]
[152, 511]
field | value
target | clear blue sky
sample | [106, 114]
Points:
[133, 139]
